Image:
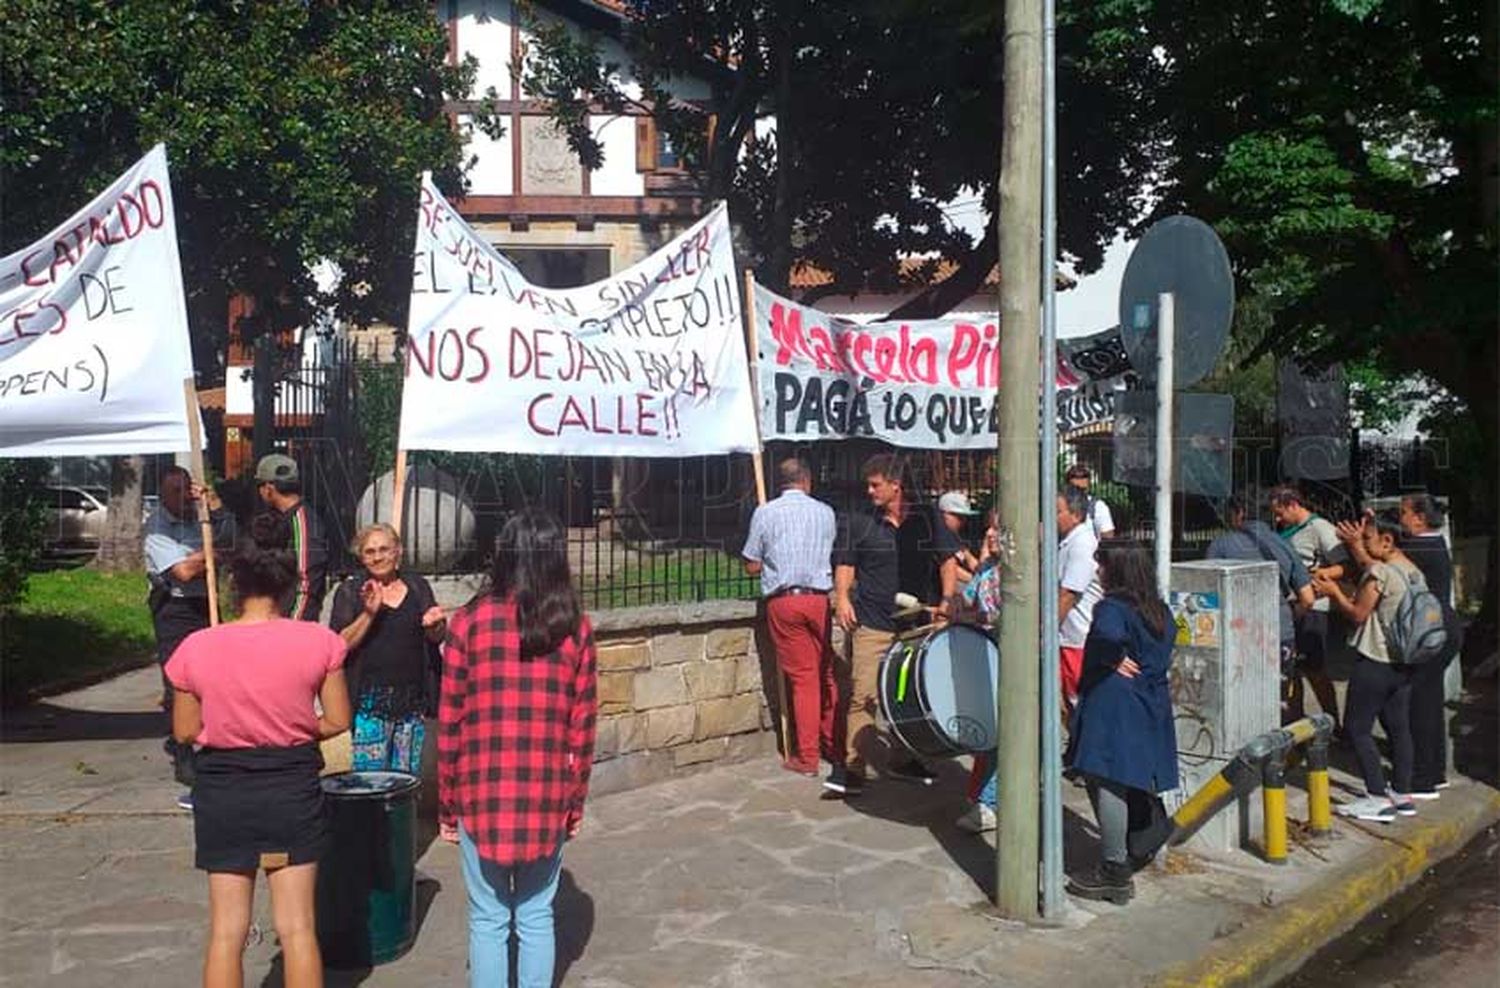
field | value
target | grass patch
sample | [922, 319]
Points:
[679, 576]
[73, 624]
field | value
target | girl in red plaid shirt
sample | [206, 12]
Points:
[515, 745]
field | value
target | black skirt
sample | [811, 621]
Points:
[258, 807]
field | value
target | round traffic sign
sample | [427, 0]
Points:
[1184, 256]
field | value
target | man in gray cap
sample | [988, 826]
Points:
[279, 485]
[955, 510]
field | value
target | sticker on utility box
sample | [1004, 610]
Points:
[1196, 616]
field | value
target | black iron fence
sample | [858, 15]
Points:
[639, 531]
[646, 532]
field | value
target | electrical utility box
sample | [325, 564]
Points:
[1225, 681]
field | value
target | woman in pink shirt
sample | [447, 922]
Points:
[244, 693]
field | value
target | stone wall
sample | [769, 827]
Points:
[680, 687]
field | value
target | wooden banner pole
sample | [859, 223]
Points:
[757, 463]
[205, 523]
[752, 355]
[398, 490]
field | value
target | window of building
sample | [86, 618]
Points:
[559, 267]
[667, 156]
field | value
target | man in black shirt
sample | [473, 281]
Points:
[898, 547]
[1424, 545]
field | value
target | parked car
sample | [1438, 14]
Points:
[76, 520]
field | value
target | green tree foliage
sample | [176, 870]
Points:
[296, 132]
[22, 527]
[884, 111]
[1346, 151]
[379, 410]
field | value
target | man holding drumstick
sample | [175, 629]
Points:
[898, 547]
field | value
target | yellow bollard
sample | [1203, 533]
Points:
[1273, 801]
[1319, 805]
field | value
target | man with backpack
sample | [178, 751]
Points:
[1399, 626]
[1252, 540]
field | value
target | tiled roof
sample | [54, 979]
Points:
[806, 275]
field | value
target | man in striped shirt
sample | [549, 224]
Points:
[790, 548]
[280, 488]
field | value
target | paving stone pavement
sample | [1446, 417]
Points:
[738, 876]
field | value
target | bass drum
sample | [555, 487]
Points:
[938, 693]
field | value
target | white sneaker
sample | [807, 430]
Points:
[1403, 804]
[1377, 808]
[978, 819]
[1424, 795]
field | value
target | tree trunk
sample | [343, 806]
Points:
[1018, 232]
[776, 274]
[121, 550]
[263, 394]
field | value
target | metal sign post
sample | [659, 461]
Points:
[1181, 271]
[1050, 698]
[1166, 320]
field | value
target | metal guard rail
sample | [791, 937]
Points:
[1262, 763]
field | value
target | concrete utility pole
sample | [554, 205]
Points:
[1017, 858]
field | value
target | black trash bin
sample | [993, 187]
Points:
[366, 880]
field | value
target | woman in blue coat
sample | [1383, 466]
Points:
[1122, 740]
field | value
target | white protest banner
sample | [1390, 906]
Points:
[928, 384]
[924, 384]
[649, 362]
[93, 329]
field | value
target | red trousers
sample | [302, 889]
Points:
[799, 626]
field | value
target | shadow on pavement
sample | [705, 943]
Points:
[427, 890]
[46, 722]
[573, 912]
[938, 806]
[1472, 732]
[934, 807]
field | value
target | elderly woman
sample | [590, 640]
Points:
[391, 623]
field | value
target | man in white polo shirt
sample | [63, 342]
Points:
[1078, 585]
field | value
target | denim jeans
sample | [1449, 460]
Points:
[498, 894]
[987, 794]
[983, 780]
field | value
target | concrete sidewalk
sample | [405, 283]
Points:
[740, 876]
